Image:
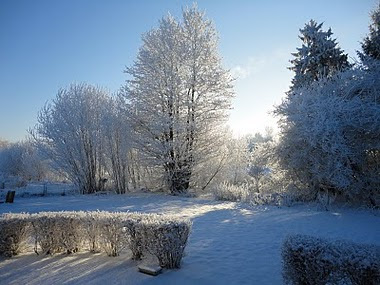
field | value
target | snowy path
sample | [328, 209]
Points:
[230, 243]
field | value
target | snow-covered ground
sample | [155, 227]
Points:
[230, 243]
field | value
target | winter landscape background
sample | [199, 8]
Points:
[221, 168]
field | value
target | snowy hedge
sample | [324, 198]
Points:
[135, 240]
[56, 232]
[112, 235]
[69, 232]
[310, 260]
[14, 233]
[165, 238]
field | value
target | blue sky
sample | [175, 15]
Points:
[45, 45]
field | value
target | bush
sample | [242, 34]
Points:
[272, 199]
[134, 235]
[14, 233]
[242, 193]
[112, 234]
[230, 192]
[58, 232]
[165, 238]
[310, 260]
[69, 232]
[92, 229]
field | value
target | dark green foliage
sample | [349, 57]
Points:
[318, 57]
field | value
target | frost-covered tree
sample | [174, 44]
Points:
[3, 143]
[179, 95]
[330, 134]
[117, 143]
[371, 43]
[319, 56]
[229, 166]
[69, 132]
[259, 166]
[23, 160]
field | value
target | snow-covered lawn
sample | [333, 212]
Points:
[40, 189]
[230, 243]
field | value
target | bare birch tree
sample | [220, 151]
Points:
[69, 132]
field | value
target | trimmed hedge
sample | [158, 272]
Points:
[310, 260]
[14, 233]
[134, 234]
[92, 228]
[70, 232]
[164, 238]
[113, 237]
[56, 232]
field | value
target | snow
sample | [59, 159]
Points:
[230, 243]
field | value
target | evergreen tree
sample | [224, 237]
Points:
[318, 57]
[371, 44]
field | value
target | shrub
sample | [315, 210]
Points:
[14, 233]
[134, 236]
[243, 193]
[165, 238]
[92, 228]
[230, 192]
[112, 235]
[69, 232]
[72, 233]
[310, 260]
[58, 232]
[273, 199]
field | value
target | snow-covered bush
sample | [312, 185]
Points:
[243, 193]
[310, 260]
[134, 235]
[329, 135]
[56, 232]
[14, 233]
[164, 237]
[274, 199]
[68, 232]
[73, 231]
[230, 192]
[112, 234]
[92, 228]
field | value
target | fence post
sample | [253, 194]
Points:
[44, 190]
